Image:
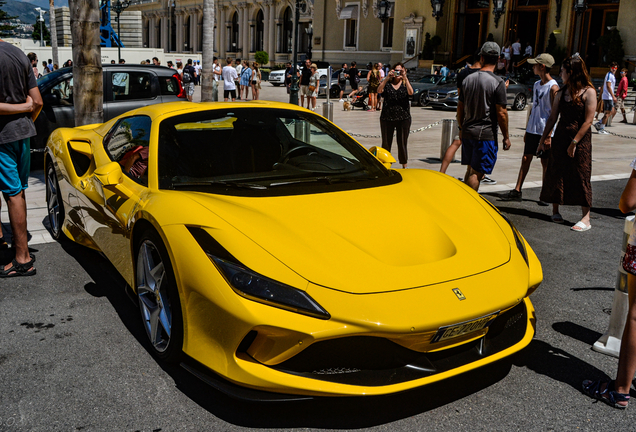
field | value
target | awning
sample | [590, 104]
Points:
[349, 12]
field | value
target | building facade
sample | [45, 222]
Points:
[344, 30]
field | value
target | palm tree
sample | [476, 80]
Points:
[208, 50]
[56, 59]
[88, 92]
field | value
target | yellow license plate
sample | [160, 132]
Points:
[449, 332]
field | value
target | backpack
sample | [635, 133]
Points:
[186, 76]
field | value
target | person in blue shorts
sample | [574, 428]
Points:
[481, 107]
[20, 104]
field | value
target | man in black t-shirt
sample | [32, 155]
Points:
[187, 77]
[342, 80]
[20, 104]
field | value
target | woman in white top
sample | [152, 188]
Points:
[543, 94]
[314, 80]
[256, 81]
[506, 53]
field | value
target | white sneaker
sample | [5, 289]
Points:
[597, 125]
[603, 132]
[341, 100]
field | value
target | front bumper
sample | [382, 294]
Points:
[373, 344]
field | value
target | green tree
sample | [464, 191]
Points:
[36, 32]
[5, 29]
[261, 57]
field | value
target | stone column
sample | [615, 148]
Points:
[271, 23]
[194, 31]
[279, 35]
[222, 32]
[266, 27]
[152, 31]
[245, 31]
[180, 30]
[165, 31]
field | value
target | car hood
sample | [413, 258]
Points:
[424, 230]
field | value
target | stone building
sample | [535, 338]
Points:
[345, 30]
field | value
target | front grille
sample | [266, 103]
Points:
[375, 361]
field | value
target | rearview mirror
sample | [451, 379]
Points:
[383, 156]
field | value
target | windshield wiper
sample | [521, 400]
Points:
[220, 183]
[323, 179]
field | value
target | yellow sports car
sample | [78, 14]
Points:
[275, 257]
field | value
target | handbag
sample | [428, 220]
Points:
[312, 88]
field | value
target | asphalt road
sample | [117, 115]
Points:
[73, 354]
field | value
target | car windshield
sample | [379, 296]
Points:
[273, 151]
[429, 79]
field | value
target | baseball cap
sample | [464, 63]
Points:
[544, 59]
[490, 49]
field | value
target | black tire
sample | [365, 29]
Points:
[54, 203]
[423, 99]
[275, 85]
[335, 91]
[520, 102]
[167, 344]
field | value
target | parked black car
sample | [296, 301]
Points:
[126, 87]
[444, 95]
[421, 86]
[335, 86]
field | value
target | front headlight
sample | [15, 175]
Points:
[451, 93]
[262, 289]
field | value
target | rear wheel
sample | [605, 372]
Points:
[158, 297]
[54, 204]
[335, 91]
[520, 102]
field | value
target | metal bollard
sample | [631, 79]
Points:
[327, 111]
[449, 132]
[610, 342]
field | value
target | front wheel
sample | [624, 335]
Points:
[423, 99]
[520, 102]
[158, 297]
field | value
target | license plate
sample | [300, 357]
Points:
[449, 332]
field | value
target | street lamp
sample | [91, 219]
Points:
[310, 33]
[41, 19]
[383, 10]
[294, 86]
[438, 6]
[119, 7]
[499, 7]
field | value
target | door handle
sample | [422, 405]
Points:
[83, 184]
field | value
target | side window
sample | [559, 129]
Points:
[63, 92]
[169, 85]
[127, 143]
[131, 86]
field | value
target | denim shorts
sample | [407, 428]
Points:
[15, 165]
[608, 105]
[480, 155]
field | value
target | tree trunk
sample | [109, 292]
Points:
[53, 26]
[88, 91]
[208, 50]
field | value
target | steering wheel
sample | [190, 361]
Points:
[291, 153]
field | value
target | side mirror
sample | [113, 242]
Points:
[111, 177]
[383, 156]
[82, 147]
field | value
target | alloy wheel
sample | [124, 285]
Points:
[54, 203]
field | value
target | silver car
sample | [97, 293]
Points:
[277, 77]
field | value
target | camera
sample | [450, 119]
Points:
[398, 72]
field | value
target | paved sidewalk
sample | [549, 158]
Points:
[611, 154]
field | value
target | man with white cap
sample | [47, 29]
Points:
[481, 107]
[543, 95]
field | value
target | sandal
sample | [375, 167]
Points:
[557, 218]
[580, 227]
[609, 396]
[18, 269]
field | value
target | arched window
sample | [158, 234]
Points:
[260, 25]
[234, 34]
[186, 39]
[288, 31]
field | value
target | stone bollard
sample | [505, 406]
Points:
[610, 342]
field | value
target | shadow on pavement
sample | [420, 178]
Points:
[355, 412]
[577, 332]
